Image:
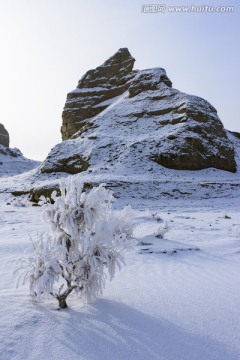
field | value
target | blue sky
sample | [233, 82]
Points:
[47, 45]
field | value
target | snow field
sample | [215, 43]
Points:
[169, 302]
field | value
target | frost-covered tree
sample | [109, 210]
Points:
[88, 241]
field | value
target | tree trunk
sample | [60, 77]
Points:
[62, 302]
[62, 298]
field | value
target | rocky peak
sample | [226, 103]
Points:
[4, 136]
[111, 73]
[122, 121]
[95, 91]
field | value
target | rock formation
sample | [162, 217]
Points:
[96, 90]
[4, 136]
[124, 121]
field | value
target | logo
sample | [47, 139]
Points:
[153, 8]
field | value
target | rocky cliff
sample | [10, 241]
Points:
[4, 136]
[124, 121]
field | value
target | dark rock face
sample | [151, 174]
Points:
[94, 91]
[4, 136]
[72, 164]
[197, 138]
[145, 123]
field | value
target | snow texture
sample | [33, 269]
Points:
[171, 301]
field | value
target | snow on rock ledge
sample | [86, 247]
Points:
[132, 122]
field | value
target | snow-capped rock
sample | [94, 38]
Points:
[121, 120]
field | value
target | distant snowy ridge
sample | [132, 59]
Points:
[12, 162]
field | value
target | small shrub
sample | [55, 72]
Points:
[161, 231]
[87, 243]
[156, 217]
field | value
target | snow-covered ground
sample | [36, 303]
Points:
[177, 298]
